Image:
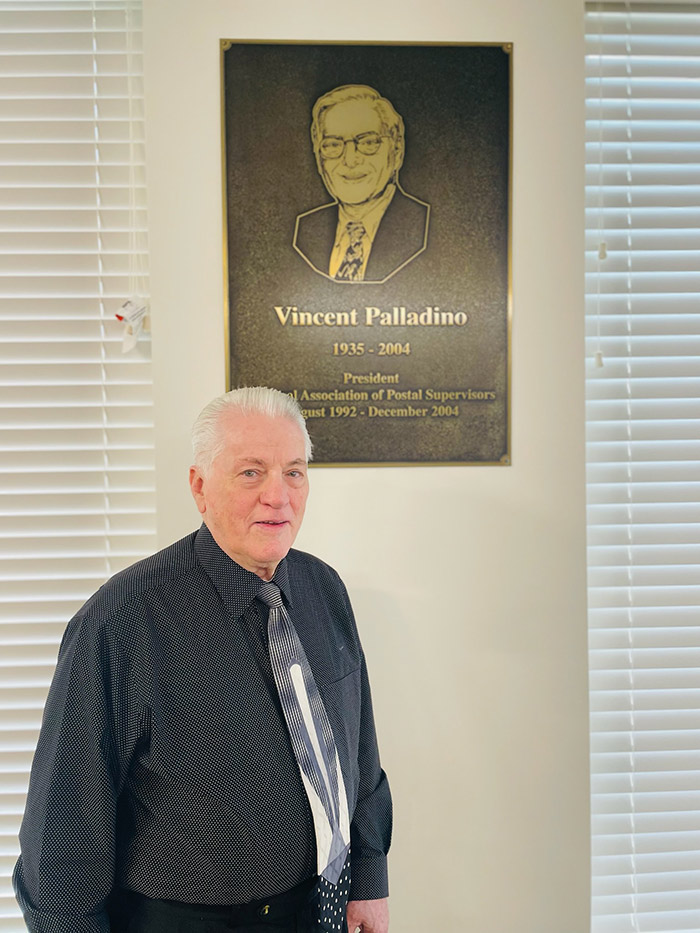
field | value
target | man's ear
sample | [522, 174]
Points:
[197, 489]
[399, 153]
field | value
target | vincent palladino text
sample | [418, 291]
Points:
[370, 316]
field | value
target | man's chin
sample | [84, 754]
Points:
[356, 199]
[274, 549]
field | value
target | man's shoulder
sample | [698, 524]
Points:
[314, 233]
[159, 570]
[319, 213]
[408, 207]
[301, 563]
[304, 559]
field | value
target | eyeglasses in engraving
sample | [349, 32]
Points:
[333, 147]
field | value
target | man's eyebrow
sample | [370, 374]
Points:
[256, 461]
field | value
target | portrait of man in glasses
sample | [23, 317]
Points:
[372, 228]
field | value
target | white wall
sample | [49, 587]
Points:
[468, 582]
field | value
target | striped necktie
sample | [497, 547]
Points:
[312, 737]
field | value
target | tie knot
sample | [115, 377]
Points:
[356, 231]
[269, 593]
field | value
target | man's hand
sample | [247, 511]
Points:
[369, 916]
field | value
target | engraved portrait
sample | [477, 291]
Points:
[372, 228]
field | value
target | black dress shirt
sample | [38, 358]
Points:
[164, 764]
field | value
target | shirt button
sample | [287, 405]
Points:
[264, 911]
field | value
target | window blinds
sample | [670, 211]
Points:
[76, 470]
[643, 321]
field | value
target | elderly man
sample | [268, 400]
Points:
[373, 228]
[207, 759]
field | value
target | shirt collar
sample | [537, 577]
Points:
[371, 219]
[236, 586]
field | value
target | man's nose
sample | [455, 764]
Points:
[274, 491]
[350, 155]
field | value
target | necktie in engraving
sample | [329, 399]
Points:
[350, 268]
[312, 737]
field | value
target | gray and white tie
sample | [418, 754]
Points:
[312, 737]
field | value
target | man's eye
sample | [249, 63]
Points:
[250, 472]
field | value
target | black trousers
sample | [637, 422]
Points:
[291, 912]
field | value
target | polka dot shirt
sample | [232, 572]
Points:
[164, 764]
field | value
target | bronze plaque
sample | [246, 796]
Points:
[367, 219]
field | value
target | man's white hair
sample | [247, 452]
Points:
[208, 439]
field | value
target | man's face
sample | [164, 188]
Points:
[254, 495]
[354, 178]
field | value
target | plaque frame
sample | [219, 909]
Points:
[272, 174]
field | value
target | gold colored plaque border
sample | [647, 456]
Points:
[224, 45]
